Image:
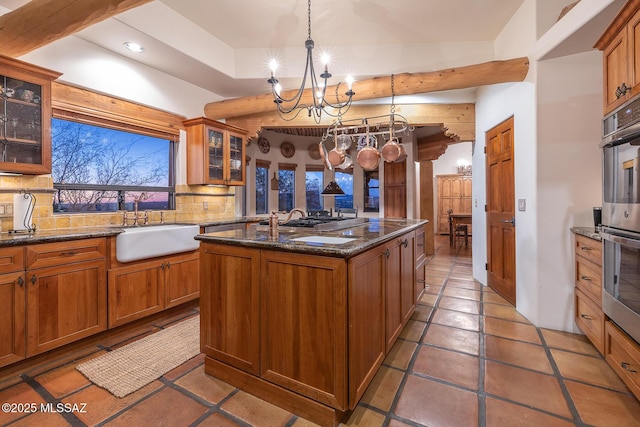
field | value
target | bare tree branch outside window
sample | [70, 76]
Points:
[105, 159]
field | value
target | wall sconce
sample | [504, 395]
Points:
[464, 170]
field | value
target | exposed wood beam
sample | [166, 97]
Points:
[513, 70]
[40, 22]
[450, 116]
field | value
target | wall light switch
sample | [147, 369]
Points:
[522, 204]
[205, 206]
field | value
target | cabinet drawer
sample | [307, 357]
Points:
[590, 319]
[589, 248]
[52, 254]
[623, 354]
[589, 279]
[11, 259]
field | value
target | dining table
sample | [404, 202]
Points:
[454, 220]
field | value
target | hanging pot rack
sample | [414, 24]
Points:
[388, 124]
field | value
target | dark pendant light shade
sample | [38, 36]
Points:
[332, 189]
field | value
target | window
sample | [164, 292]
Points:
[262, 187]
[100, 169]
[371, 191]
[286, 186]
[345, 181]
[314, 180]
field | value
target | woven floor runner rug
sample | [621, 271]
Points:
[129, 368]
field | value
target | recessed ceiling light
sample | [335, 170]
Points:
[134, 47]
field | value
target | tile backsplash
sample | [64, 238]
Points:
[193, 203]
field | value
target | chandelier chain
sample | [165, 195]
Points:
[393, 96]
[309, 19]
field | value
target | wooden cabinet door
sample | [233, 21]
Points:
[393, 302]
[304, 325]
[182, 283]
[215, 152]
[616, 71]
[395, 190]
[367, 328]
[633, 41]
[454, 192]
[12, 317]
[65, 303]
[229, 305]
[135, 291]
[407, 276]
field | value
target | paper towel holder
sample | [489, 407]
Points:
[29, 227]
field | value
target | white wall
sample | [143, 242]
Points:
[569, 177]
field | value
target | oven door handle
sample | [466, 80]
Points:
[626, 241]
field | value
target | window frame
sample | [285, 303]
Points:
[262, 164]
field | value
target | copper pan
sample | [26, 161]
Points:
[368, 158]
[391, 151]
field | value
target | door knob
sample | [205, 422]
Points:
[512, 221]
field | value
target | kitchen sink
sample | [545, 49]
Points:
[323, 239]
[150, 241]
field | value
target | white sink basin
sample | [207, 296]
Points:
[323, 239]
[155, 240]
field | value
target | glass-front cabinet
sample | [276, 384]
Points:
[215, 153]
[25, 117]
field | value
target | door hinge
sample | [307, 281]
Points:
[485, 150]
[486, 208]
[486, 266]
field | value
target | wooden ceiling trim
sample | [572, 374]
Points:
[40, 22]
[493, 72]
[459, 117]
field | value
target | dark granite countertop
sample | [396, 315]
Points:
[63, 234]
[589, 232]
[363, 237]
[57, 235]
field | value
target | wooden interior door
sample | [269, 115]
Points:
[454, 192]
[501, 230]
[395, 190]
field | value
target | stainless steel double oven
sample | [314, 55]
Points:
[621, 217]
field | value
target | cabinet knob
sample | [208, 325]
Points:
[162, 266]
[33, 279]
[20, 281]
[387, 253]
[405, 242]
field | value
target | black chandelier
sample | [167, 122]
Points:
[315, 100]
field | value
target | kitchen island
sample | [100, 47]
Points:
[304, 319]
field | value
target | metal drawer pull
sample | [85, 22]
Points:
[586, 278]
[586, 248]
[586, 317]
[627, 367]
[421, 281]
[70, 253]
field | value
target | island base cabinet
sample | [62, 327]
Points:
[229, 305]
[303, 320]
[64, 304]
[367, 326]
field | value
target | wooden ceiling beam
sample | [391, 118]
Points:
[40, 22]
[512, 70]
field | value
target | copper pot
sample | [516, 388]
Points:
[336, 156]
[391, 151]
[403, 154]
[368, 158]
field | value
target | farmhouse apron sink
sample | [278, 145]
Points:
[151, 241]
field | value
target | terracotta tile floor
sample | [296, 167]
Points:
[467, 358]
